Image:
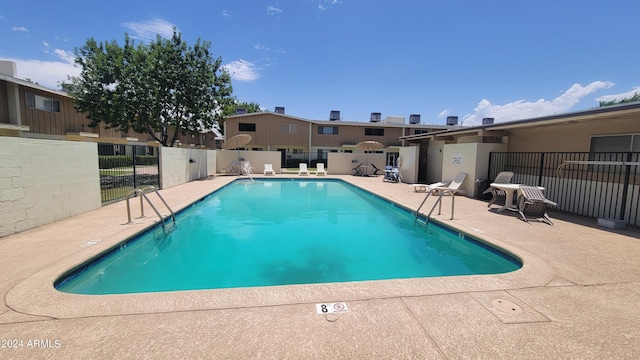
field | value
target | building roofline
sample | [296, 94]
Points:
[343, 122]
[25, 83]
[565, 118]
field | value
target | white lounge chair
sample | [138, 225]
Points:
[303, 169]
[247, 169]
[503, 177]
[268, 169]
[425, 187]
[320, 170]
[454, 186]
[533, 204]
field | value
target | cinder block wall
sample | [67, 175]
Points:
[42, 181]
[182, 165]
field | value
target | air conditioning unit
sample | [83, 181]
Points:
[487, 121]
[334, 115]
[280, 109]
[452, 120]
[414, 119]
[375, 117]
[241, 111]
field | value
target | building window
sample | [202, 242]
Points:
[374, 131]
[615, 143]
[290, 128]
[246, 127]
[420, 131]
[332, 130]
[34, 101]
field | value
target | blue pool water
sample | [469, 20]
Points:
[285, 231]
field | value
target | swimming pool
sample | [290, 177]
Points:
[285, 231]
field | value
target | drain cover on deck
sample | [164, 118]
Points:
[506, 306]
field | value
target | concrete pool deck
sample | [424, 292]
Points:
[575, 297]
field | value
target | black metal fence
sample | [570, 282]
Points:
[126, 167]
[293, 159]
[597, 185]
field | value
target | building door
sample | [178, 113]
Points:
[283, 157]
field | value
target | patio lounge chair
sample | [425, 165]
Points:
[268, 169]
[320, 170]
[247, 169]
[303, 169]
[533, 204]
[454, 186]
[376, 170]
[425, 187]
[358, 170]
[504, 177]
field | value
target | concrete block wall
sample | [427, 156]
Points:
[182, 165]
[42, 181]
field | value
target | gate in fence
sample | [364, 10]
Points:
[126, 167]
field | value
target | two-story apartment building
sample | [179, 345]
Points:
[30, 110]
[298, 138]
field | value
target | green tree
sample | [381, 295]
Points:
[634, 98]
[164, 88]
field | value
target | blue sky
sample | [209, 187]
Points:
[504, 59]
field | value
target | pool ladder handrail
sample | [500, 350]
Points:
[443, 192]
[141, 191]
[246, 169]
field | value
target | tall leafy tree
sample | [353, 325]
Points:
[164, 88]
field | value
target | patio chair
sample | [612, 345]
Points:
[303, 169]
[376, 170]
[533, 204]
[358, 170]
[504, 177]
[425, 187]
[268, 169]
[247, 169]
[320, 170]
[454, 186]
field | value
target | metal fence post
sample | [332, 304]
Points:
[625, 189]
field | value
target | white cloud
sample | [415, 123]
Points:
[225, 13]
[66, 56]
[242, 70]
[522, 109]
[272, 10]
[624, 95]
[444, 113]
[20, 28]
[148, 29]
[322, 3]
[45, 43]
[46, 73]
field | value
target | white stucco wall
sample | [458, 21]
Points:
[472, 158]
[182, 165]
[42, 181]
[256, 158]
[343, 163]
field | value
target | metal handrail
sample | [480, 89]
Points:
[438, 202]
[141, 191]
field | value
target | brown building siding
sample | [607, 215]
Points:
[269, 132]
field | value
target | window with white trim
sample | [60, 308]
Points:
[34, 101]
